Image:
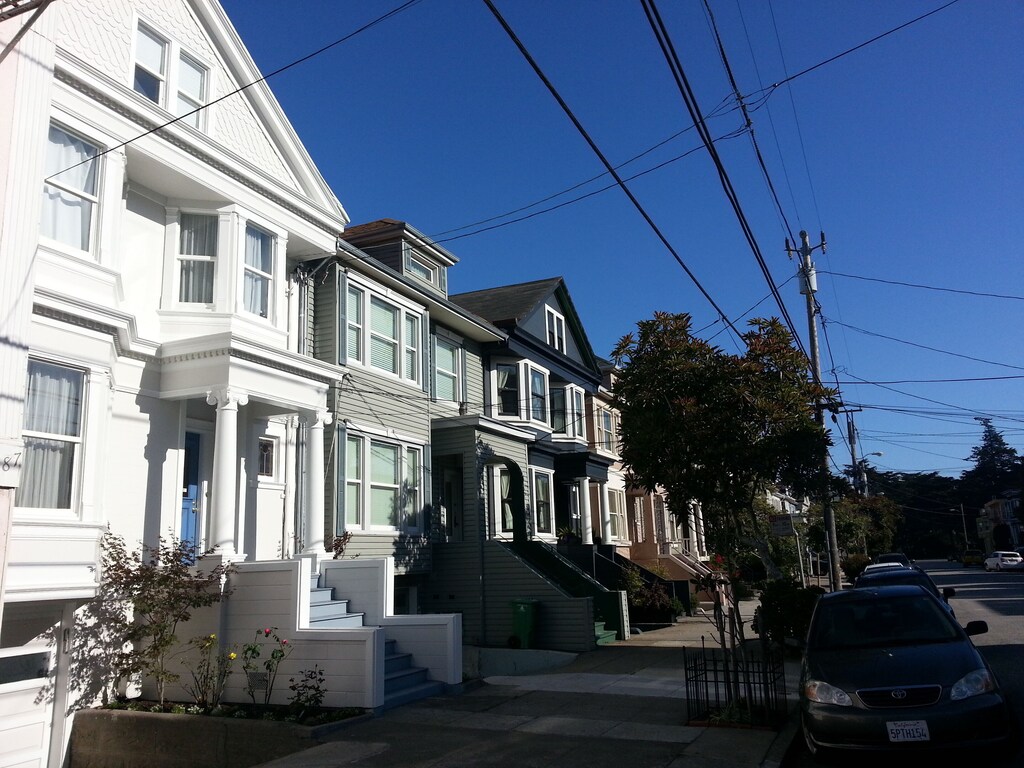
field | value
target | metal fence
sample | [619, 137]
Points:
[738, 687]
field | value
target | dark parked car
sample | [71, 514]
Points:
[889, 668]
[891, 576]
[894, 557]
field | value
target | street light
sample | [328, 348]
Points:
[864, 471]
[963, 519]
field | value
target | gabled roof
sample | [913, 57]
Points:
[508, 305]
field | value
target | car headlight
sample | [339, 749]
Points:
[823, 693]
[972, 684]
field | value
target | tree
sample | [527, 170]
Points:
[996, 468]
[717, 428]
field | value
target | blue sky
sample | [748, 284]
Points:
[907, 153]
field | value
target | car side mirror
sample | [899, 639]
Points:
[948, 592]
[976, 627]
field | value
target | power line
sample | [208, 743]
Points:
[923, 346]
[689, 99]
[926, 287]
[608, 166]
[933, 381]
[238, 90]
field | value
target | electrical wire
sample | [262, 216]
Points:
[608, 166]
[926, 287]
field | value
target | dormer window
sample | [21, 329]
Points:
[425, 269]
[556, 330]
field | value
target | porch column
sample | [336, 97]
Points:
[605, 512]
[224, 494]
[583, 483]
[313, 510]
[699, 518]
[691, 529]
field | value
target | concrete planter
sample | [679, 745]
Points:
[103, 738]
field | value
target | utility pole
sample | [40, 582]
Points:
[808, 287]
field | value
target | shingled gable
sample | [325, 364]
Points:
[251, 123]
[509, 306]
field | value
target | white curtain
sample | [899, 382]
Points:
[505, 483]
[198, 237]
[71, 176]
[53, 406]
[258, 256]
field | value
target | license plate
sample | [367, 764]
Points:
[908, 730]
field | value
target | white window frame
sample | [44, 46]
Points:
[74, 441]
[606, 429]
[617, 513]
[66, 189]
[270, 278]
[537, 390]
[408, 343]
[273, 444]
[555, 323]
[575, 415]
[180, 259]
[528, 393]
[549, 476]
[454, 375]
[407, 486]
[497, 402]
[170, 80]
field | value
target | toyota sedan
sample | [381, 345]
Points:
[889, 669]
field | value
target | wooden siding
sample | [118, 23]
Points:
[374, 402]
[325, 319]
[412, 553]
[458, 584]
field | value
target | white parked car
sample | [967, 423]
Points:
[1002, 560]
[874, 567]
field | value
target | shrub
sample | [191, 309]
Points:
[854, 565]
[785, 611]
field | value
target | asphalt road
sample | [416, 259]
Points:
[997, 598]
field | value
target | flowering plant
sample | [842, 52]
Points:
[251, 655]
[209, 673]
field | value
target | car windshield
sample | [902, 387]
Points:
[884, 578]
[881, 621]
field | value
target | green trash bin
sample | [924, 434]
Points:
[524, 622]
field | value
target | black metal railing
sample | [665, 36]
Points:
[739, 687]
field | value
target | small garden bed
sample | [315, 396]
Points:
[280, 714]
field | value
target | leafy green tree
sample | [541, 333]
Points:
[719, 428]
[997, 468]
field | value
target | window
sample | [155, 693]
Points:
[390, 340]
[70, 193]
[556, 330]
[504, 503]
[607, 424]
[567, 418]
[150, 64]
[419, 269]
[508, 389]
[412, 347]
[388, 495]
[181, 88]
[355, 323]
[446, 370]
[542, 501]
[197, 251]
[259, 271]
[191, 89]
[53, 435]
[617, 513]
[265, 459]
[538, 395]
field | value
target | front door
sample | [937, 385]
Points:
[189, 529]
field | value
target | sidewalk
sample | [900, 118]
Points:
[622, 704]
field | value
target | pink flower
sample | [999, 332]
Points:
[266, 632]
[284, 642]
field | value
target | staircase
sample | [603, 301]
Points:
[403, 682]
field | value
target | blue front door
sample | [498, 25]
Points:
[190, 492]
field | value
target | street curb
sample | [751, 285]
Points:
[780, 745]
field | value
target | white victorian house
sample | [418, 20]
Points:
[158, 214]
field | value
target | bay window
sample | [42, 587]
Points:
[508, 389]
[71, 190]
[538, 395]
[259, 271]
[567, 417]
[384, 335]
[197, 253]
[52, 435]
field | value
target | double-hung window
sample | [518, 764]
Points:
[384, 335]
[538, 395]
[617, 513]
[542, 501]
[556, 330]
[197, 253]
[259, 271]
[446, 370]
[567, 417]
[607, 430]
[71, 190]
[383, 484]
[52, 434]
[508, 389]
[168, 76]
